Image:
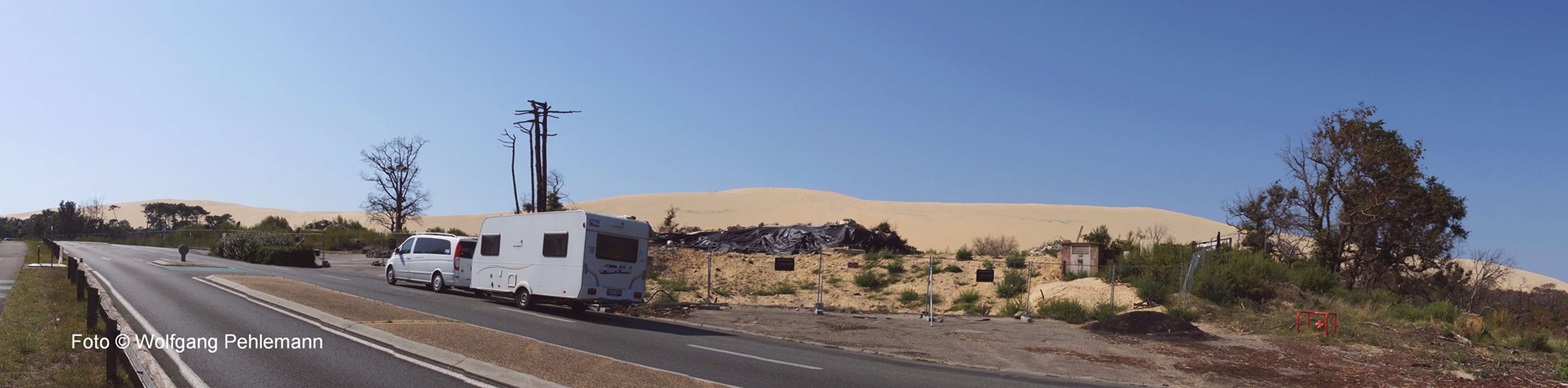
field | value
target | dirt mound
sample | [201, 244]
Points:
[1151, 323]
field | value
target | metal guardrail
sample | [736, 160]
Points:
[101, 307]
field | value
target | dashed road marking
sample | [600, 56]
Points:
[335, 277]
[515, 310]
[754, 357]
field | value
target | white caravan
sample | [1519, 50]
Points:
[571, 258]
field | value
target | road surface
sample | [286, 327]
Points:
[186, 305]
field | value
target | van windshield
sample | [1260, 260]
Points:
[616, 248]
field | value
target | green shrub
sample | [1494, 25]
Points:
[1440, 311]
[724, 292]
[968, 297]
[871, 280]
[1374, 297]
[1013, 284]
[952, 269]
[675, 285]
[1063, 310]
[909, 297]
[780, 288]
[874, 258]
[1313, 278]
[1012, 307]
[968, 302]
[1153, 290]
[1105, 311]
[1016, 260]
[1074, 275]
[1561, 370]
[1185, 314]
[987, 265]
[264, 248]
[964, 254]
[894, 267]
[1536, 341]
[1237, 276]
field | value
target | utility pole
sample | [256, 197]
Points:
[539, 129]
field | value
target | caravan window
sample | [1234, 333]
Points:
[491, 245]
[616, 248]
[555, 244]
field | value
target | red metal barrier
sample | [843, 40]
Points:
[1328, 322]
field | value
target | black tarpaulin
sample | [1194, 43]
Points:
[790, 240]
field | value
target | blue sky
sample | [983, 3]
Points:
[1180, 106]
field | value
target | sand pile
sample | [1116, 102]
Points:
[1151, 323]
[1087, 291]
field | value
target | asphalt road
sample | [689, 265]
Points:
[12, 256]
[174, 303]
[735, 359]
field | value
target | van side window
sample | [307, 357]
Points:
[433, 246]
[490, 245]
[555, 244]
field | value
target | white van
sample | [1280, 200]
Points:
[571, 258]
[440, 260]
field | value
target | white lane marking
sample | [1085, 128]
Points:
[335, 277]
[515, 310]
[400, 356]
[754, 357]
[185, 370]
[108, 259]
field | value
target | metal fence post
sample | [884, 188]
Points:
[820, 269]
[710, 278]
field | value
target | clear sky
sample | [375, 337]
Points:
[1174, 105]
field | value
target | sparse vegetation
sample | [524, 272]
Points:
[1012, 285]
[1238, 275]
[1074, 275]
[964, 254]
[871, 280]
[1012, 307]
[780, 288]
[1536, 341]
[1016, 260]
[1183, 313]
[1105, 311]
[1063, 310]
[998, 246]
[950, 268]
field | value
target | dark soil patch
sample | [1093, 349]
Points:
[1151, 323]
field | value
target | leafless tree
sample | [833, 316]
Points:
[1157, 232]
[510, 142]
[398, 197]
[1490, 268]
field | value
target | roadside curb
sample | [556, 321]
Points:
[887, 354]
[448, 358]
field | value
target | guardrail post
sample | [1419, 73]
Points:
[92, 309]
[81, 283]
[70, 271]
[111, 359]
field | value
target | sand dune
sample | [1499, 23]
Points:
[927, 225]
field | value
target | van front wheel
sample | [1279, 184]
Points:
[391, 276]
[523, 298]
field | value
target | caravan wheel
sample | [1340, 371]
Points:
[523, 299]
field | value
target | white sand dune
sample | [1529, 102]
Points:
[927, 225]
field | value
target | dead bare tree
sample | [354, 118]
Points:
[398, 197]
[539, 130]
[1490, 268]
[510, 142]
[1157, 232]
